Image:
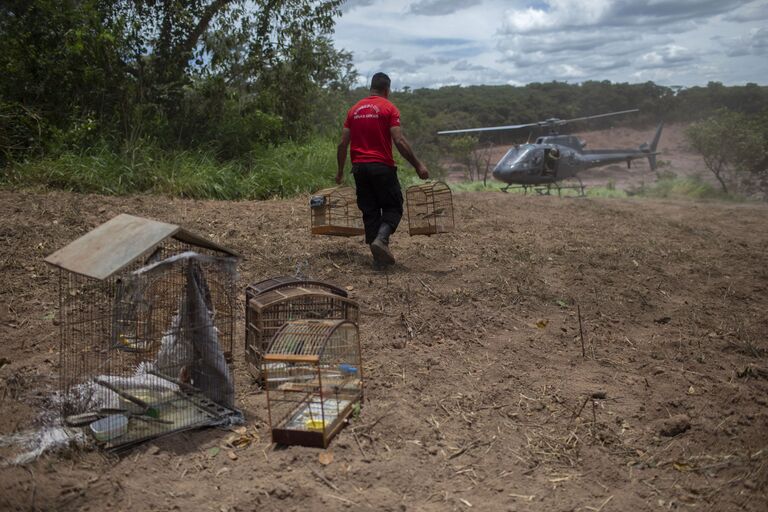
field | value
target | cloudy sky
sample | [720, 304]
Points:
[430, 43]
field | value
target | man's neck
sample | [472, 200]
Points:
[374, 92]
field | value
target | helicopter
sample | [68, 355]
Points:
[555, 157]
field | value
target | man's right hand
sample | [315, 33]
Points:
[422, 171]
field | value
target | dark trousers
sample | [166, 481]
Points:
[378, 196]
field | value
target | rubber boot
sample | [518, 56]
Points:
[380, 246]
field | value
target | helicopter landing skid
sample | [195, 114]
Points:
[546, 190]
[541, 190]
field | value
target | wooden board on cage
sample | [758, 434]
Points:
[146, 316]
[334, 212]
[267, 312]
[430, 208]
[314, 380]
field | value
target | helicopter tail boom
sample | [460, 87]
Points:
[652, 150]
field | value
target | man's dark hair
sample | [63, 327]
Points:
[380, 82]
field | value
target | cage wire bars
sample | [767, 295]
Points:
[334, 212]
[430, 208]
[267, 312]
[314, 381]
[146, 319]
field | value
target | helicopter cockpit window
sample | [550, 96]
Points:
[535, 161]
[525, 158]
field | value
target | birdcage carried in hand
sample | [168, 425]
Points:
[333, 211]
[314, 380]
[430, 208]
[267, 312]
[146, 315]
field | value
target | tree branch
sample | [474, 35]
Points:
[202, 25]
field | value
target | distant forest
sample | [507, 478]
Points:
[240, 99]
[425, 111]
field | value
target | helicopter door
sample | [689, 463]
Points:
[551, 161]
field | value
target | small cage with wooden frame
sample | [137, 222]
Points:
[268, 311]
[314, 380]
[146, 326]
[430, 208]
[334, 212]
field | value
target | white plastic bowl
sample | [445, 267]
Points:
[110, 427]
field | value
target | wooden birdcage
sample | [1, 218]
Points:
[314, 380]
[267, 312]
[146, 316]
[275, 283]
[430, 208]
[334, 212]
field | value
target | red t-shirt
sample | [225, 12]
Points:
[369, 121]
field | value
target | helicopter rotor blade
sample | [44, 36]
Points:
[564, 121]
[489, 128]
[541, 124]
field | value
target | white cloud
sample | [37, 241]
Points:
[555, 15]
[377, 54]
[566, 71]
[754, 42]
[753, 11]
[399, 66]
[441, 7]
[352, 4]
[463, 65]
[672, 42]
[667, 56]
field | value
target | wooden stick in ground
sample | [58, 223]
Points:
[581, 332]
[359, 445]
[325, 480]
[583, 404]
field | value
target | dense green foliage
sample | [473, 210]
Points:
[244, 98]
[735, 148]
[223, 75]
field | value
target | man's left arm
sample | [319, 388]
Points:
[341, 154]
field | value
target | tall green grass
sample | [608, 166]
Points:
[667, 187]
[683, 188]
[285, 170]
[279, 171]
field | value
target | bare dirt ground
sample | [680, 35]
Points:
[676, 156]
[478, 394]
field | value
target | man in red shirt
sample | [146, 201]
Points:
[372, 125]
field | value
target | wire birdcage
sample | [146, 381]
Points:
[430, 208]
[334, 212]
[314, 380]
[267, 312]
[146, 314]
[275, 283]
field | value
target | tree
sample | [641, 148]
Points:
[60, 63]
[178, 72]
[730, 143]
[274, 55]
[465, 150]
